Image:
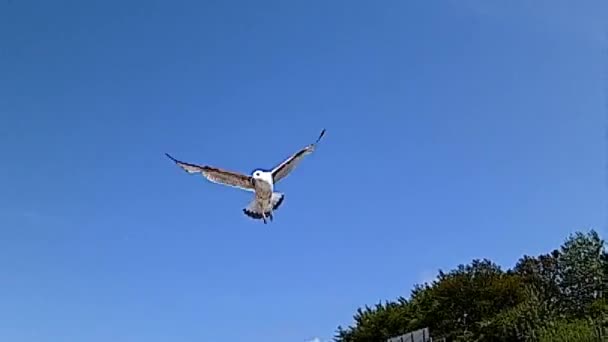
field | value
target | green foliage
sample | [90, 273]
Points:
[599, 311]
[539, 299]
[518, 323]
[582, 270]
[377, 323]
[453, 312]
[575, 331]
[542, 275]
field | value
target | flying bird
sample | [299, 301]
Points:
[260, 182]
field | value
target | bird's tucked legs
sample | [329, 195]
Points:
[264, 217]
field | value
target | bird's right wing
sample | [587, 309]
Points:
[216, 175]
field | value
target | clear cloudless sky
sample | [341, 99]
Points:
[455, 130]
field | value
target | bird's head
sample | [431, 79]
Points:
[262, 175]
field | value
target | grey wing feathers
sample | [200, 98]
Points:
[217, 175]
[283, 169]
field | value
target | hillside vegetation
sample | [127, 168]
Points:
[558, 296]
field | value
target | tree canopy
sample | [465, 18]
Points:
[558, 296]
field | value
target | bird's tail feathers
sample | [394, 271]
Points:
[254, 209]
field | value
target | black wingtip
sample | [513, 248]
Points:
[170, 157]
[320, 135]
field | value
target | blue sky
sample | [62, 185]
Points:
[455, 130]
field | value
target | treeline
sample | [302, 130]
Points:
[558, 296]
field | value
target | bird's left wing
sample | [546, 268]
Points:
[217, 175]
[282, 170]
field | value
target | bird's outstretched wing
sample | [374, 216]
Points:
[283, 169]
[217, 175]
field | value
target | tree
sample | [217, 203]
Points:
[377, 323]
[562, 292]
[451, 307]
[582, 272]
[578, 330]
[519, 323]
[542, 275]
[471, 294]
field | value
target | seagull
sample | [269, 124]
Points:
[260, 182]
